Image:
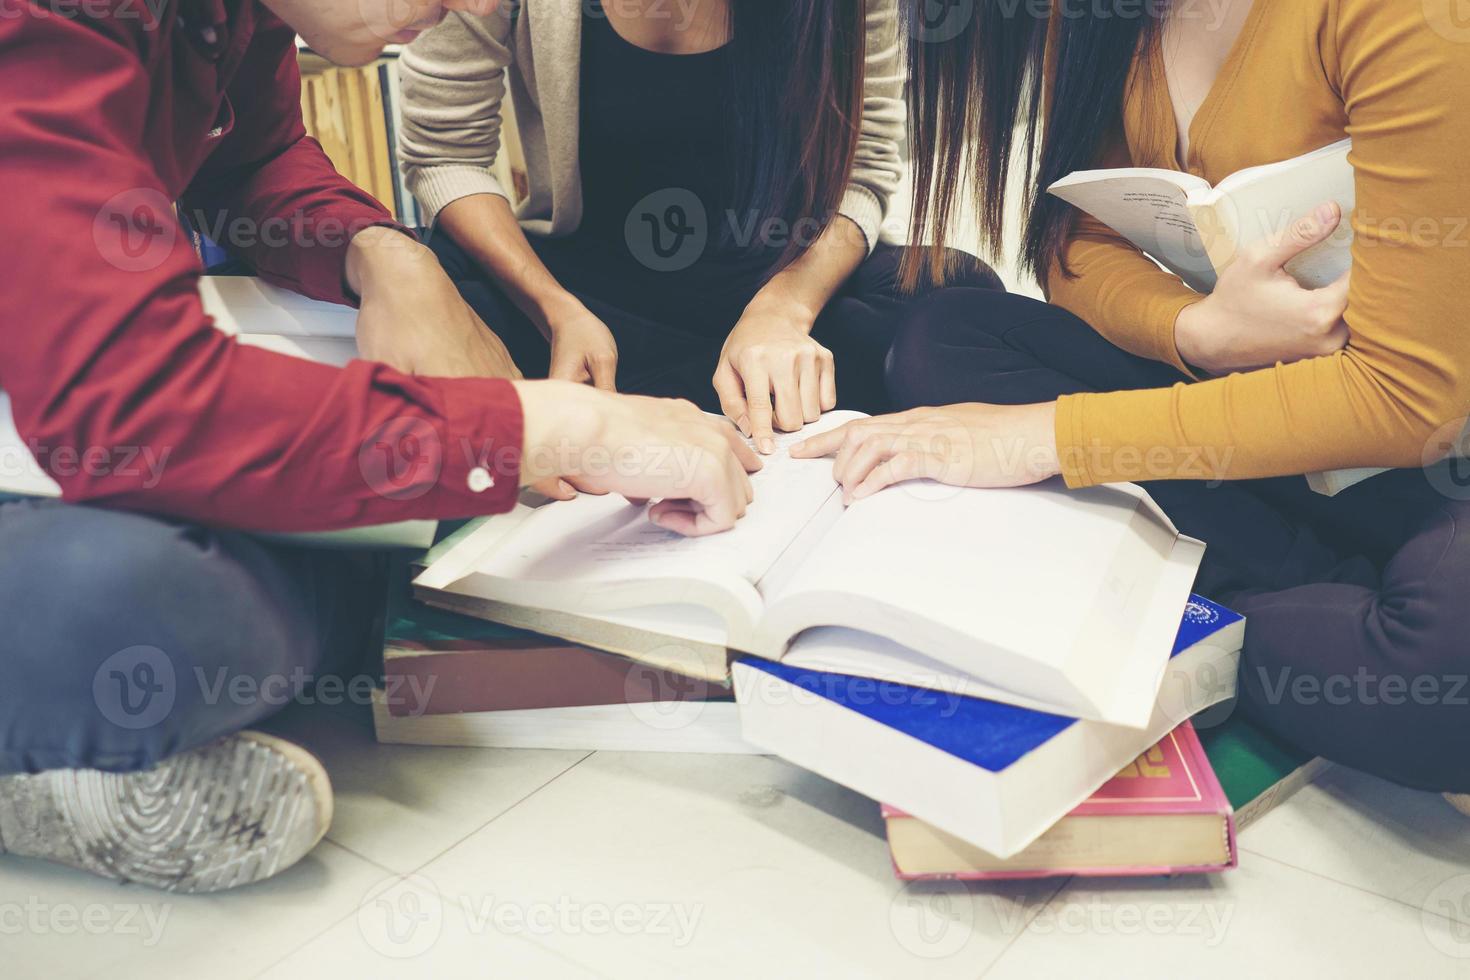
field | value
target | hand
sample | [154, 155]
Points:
[582, 348]
[696, 467]
[969, 445]
[771, 351]
[1259, 315]
[412, 318]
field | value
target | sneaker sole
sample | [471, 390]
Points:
[224, 815]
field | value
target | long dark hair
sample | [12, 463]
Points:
[797, 109]
[981, 107]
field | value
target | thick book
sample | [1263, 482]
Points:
[440, 663]
[1196, 230]
[1257, 770]
[456, 680]
[990, 774]
[693, 727]
[1163, 813]
[1061, 600]
[261, 315]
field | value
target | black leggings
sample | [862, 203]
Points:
[1358, 605]
[675, 355]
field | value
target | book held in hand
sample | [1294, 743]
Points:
[1163, 813]
[1196, 230]
[1060, 600]
[992, 775]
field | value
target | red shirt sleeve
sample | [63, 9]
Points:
[270, 179]
[109, 359]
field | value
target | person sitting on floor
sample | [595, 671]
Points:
[706, 193]
[118, 752]
[1220, 403]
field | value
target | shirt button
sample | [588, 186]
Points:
[480, 480]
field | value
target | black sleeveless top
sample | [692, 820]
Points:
[658, 186]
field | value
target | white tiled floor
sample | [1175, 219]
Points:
[466, 862]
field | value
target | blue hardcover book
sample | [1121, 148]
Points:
[992, 774]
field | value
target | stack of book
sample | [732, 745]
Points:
[1012, 672]
[450, 679]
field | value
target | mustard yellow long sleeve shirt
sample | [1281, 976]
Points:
[1395, 76]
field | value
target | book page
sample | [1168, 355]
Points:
[20, 474]
[604, 539]
[1010, 566]
[1147, 207]
[244, 304]
[1256, 204]
[1068, 598]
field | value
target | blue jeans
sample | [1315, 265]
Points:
[127, 638]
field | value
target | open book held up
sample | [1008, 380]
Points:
[1062, 601]
[1196, 230]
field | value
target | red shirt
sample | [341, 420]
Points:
[106, 116]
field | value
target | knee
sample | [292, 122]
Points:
[931, 328]
[966, 271]
[126, 640]
[1385, 685]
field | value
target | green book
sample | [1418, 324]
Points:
[1256, 770]
[414, 626]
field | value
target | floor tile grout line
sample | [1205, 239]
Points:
[330, 926]
[358, 854]
[496, 817]
[1042, 907]
[1347, 884]
[389, 871]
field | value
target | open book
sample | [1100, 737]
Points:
[1057, 600]
[1195, 230]
[260, 315]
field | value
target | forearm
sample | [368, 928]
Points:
[1121, 294]
[486, 228]
[810, 282]
[1323, 413]
[378, 255]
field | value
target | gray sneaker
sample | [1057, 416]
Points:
[223, 815]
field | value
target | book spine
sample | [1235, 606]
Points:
[1279, 793]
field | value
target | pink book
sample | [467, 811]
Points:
[1163, 814]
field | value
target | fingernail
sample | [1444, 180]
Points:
[1326, 214]
[768, 446]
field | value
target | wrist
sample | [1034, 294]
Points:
[1045, 461]
[783, 303]
[555, 308]
[1192, 334]
[557, 419]
[380, 254]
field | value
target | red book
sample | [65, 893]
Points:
[1163, 814]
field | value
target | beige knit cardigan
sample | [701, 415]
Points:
[455, 78]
